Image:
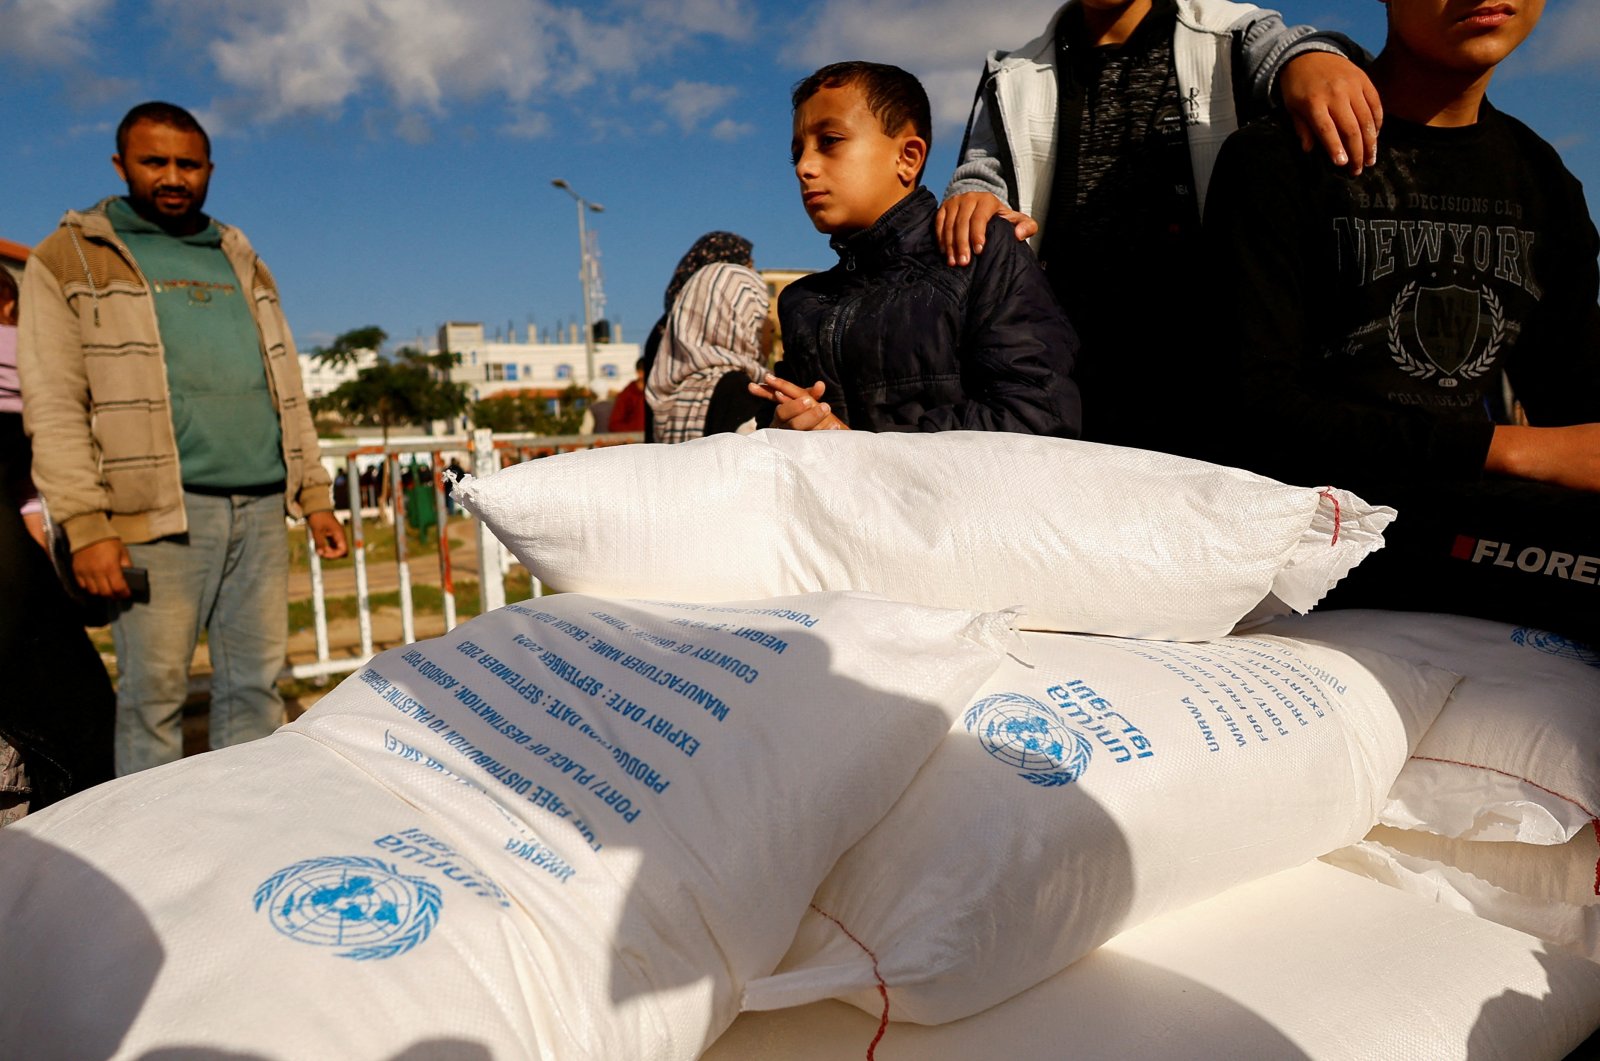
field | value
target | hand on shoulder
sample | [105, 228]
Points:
[1333, 103]
[963, 221]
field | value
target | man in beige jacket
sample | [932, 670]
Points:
[171, 432]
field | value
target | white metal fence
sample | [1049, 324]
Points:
[487, 452]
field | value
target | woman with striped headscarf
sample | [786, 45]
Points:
[710, 345]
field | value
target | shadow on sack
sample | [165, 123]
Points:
[80, 955]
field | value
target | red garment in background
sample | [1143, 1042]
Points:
[628, 412]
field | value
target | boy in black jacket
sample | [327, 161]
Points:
[1377, 315]
[895, 337]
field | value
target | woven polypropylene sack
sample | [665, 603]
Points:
[1309, 963]
[1081, 537]
[1107, 783]
[567, 829]
[1515, 756]
[1551, 891]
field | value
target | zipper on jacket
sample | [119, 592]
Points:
[831, 339]
[83, 260]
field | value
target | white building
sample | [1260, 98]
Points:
[491, 367]
[320, 379]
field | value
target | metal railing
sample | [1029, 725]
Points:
[487, 451]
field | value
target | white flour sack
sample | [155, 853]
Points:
[1083, 537]
[1110, 782]
[571, 829]
[1551, 891]
[1515, 756]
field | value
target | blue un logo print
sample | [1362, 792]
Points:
[1555, 645]
[361, 903]
[1031, 737]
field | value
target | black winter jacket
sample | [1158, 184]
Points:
[906, 342]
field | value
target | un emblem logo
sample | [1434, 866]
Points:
[361, 903]
[1029, 736]
[1555, 645]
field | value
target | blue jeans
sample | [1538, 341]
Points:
[229, 575]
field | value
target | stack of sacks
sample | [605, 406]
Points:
[568, 830]
[1496, 813]
[1082, 537]
[1309, 963]
[1105, 783]
[1096, 782]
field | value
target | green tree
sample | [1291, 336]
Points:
[503, 412]
[348, 348]
[410, 387]
[521, 411]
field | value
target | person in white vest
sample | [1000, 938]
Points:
[1097, 140]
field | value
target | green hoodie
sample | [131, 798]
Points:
[222, 411]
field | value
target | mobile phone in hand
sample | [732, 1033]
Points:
[138, 580]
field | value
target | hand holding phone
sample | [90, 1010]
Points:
[138, 580]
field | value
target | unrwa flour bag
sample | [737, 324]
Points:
[1109, 782]
[1515, 756]
[1083, 537]
[568, 829]
[269, 900]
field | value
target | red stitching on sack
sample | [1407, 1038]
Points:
[1329, 495]
[883, 987]
[1594, 819]
[1596, 824]
[1514, 777]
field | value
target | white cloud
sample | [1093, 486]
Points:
[1569, 38]
[733, 19]
[950, 94]
[689, 102]
[728, 129]
[48, 31]
[314, 55]
[413, 128]
[527, 125]
[277, 58]
[941, 41]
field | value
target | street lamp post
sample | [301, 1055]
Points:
[585, 275]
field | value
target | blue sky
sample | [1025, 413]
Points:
[392, 159]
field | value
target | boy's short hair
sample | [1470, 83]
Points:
[169, 114]
[8, 286]
[895, 97]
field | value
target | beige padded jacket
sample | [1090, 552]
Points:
[94, 386]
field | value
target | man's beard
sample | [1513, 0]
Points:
[187, 220]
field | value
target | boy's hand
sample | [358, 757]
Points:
[963, 219]
[1335, 104]
[799, 408]
[1565, 456]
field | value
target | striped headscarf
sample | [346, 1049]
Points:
[713, 328]
[708, 249]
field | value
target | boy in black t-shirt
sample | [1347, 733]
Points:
[1383, 321]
